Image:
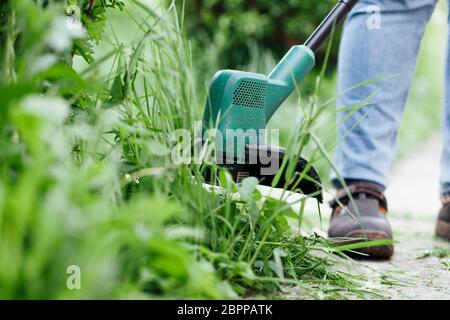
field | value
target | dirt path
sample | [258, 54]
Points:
[421, 260]
[420, 267]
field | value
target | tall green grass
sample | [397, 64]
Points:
[87, 179]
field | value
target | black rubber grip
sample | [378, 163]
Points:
[334, 18]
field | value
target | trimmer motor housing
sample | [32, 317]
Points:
[243, 102]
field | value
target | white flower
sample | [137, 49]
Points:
[63, 31]
[53, 109]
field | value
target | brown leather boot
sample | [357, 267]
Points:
[443, 223]
[367, 221]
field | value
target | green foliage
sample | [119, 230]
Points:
[91, 14]
[235, 27]
[61, 205]
[86, 176]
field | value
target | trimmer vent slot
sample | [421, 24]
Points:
[250, 94]
[241, 176]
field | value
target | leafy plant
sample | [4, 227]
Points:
[86, 176]
[235, 27]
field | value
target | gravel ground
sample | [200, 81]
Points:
[420, 259]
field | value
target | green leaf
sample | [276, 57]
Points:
[117, 91]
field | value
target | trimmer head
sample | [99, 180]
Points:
[264, 162]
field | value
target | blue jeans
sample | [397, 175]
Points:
[368, 139]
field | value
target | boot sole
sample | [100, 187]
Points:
[372, 253]
[443, 229]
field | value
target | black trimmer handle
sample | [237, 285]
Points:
[334, 18]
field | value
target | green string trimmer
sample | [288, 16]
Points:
[240, 104]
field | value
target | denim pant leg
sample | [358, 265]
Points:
[367, 140]
[445, 161]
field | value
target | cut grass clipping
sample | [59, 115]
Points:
[87, 183]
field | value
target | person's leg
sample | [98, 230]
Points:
[445, 161]
[443, 224]
[368, 138]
